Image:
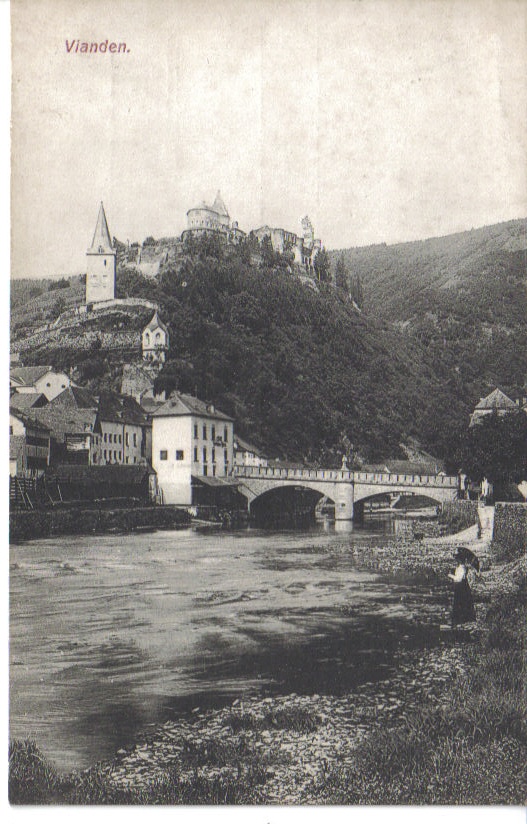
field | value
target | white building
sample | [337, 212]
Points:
[100, 265]
[38, 379]
[155, 340]
[192, 443]
[247, 455]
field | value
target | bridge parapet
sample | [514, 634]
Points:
[346, 476]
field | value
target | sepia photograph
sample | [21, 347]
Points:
[267, 327]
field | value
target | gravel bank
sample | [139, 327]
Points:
[250, 735]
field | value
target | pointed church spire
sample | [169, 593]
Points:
[219, 205]
[101, 237]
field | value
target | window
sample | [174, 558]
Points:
[127, 439]
[180, 455]
[195, 430]
[205, 469]
[213, 432]
[120, 438]
[115, 455]
[204, 454]
[163, 455]
[135, 439]
[120, 456]
[127, 459]
[10, 430]
[195, 454]
[225, 434]
[225, 459]
[204, 432]
[104, 454]
[213, 455]
[105, 437]
[214, 469]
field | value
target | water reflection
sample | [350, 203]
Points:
[111, 633]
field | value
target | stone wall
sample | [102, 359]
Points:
[24, 526]
[510, 531]
[458, 515]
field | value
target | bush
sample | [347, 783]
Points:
[32, 779]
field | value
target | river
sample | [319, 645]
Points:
[111, 633]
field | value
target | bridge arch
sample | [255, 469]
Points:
[291, 503]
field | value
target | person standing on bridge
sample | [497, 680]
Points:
[463, 611]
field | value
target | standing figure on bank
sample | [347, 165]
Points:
[463, 611]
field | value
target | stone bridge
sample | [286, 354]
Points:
[345, 487]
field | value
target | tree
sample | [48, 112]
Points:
[321, 266]
[496, 448]
[356, 292]
[341, 275]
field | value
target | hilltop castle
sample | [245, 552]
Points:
[215, 219]
[202, 220]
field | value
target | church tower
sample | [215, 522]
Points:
[100, 267]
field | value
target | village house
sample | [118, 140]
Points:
[155, 340]
[497, 403]
[192, 448]
[29, 445]
[247, 455]
[123, 430]
[38, 380]
[94, 430]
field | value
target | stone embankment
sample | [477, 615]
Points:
[292, 759]
[27, 525]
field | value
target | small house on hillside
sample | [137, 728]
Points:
[497, 402]
[155, 340]
[38, 380]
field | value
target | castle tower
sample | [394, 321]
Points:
[100, 267]
[155, 340]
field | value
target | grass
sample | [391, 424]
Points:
[471, 749]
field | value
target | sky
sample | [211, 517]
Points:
[383, 120]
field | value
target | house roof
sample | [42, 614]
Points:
[181, 405]
[64, 421]
[156, 323]
[27, 400]
[28, 375]
[240, 443]
[397, 467]
[104, 473]
[74, 397]
[117, 408]
[28, 419]
[496, 400]
[101, 236]
[211, 480]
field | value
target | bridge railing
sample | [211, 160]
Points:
[340, 475]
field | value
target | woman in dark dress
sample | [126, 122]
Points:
[463, 611]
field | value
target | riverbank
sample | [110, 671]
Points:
[70, 520]
[448, 727]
